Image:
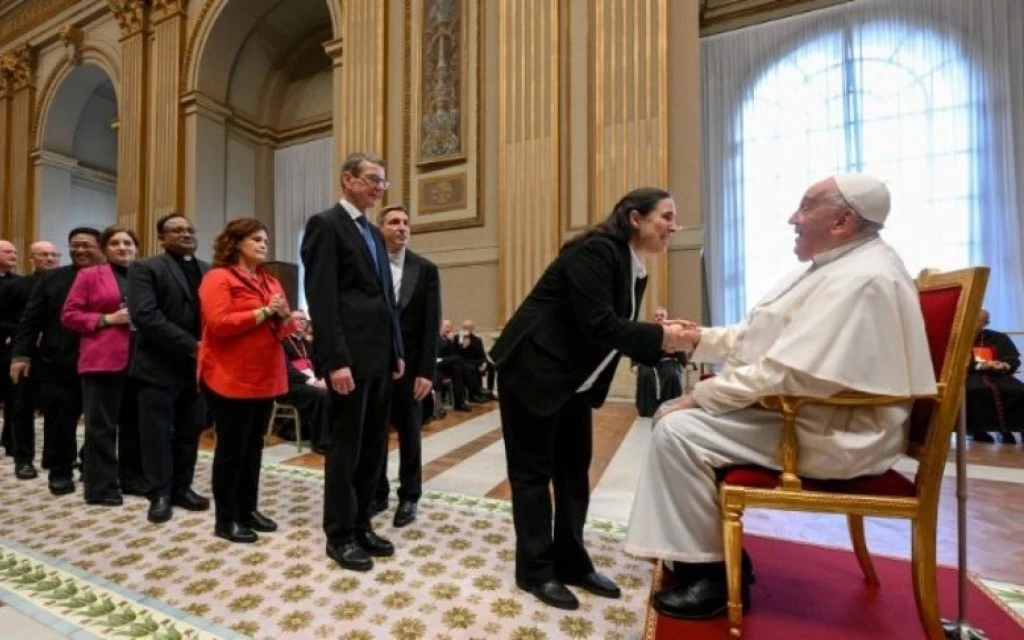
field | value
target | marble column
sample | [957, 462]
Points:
[164, 167]
[18, 67]
[5, 111]
[132, 15]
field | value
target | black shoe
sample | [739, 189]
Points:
[463, 408]
[552, 593]
[350, 556]
[479, 398]
[259, 522]
[405, 513]
[1007, 438]
[597, 584]
[61, 486]
[106, 501]
[159, 510]
[378, 506]
[190, 500]
[25, 471]
[374, 544]
[983, 436]
[701, 600]
[235, 532]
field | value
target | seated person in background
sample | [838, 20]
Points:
[451, 365]
[659, 383]
[306, 392]
[995, 397]
[849, 320]
[471, 348]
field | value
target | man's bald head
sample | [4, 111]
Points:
[44, 255]
[8, 256]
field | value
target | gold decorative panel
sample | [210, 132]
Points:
[445, 193]
[443, 81]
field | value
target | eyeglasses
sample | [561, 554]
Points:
[376, 181]
[181, 231]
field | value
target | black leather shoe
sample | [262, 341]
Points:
[159, 510]
[463, 408]
[350, 556]
[191, 501]
[61, 486]
[259, 522]
[405, 513]
[378, 506]
[1007, 438]
[25, 471]
[374, 544]
[701, 600]
[552, 593]
[983, 436]
[235, 532]
[106, 501]
[597, 584]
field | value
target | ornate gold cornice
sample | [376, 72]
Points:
[72, 37]
[717, 16]
[28, 15]
[163, 9]
[130, 14]
[19, 65]
[4, 86]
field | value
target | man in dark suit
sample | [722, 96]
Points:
[8, 324]
[463, 378]
[418, 290]
[163, 302]
[471, 347]
[24, 395]
[357, 348]
[45, 349]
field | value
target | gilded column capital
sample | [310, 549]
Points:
[130, 14]
[72, 37]
[167, 8]
[18, 66]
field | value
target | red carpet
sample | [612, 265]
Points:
[805, 591]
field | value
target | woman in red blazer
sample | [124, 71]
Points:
[242, 370]
[96, 308]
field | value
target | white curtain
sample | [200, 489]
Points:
[302, 187]
[926, 94]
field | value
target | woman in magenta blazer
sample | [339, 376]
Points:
[242, 369]
[96, 308]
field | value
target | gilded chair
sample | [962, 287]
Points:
[950, 303]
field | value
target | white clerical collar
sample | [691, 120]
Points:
[397, 258]
[638, 268]
[835, 253]
[351, 209]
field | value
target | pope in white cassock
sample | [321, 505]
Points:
[850, 320]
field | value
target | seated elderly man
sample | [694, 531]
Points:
[850, 320]
[995, 397]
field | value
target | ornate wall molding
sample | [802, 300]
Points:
[29, 15]
[718, 16]
[19, 66]
[90, 53]
[73, 38]
[163, 9]
[130, 14]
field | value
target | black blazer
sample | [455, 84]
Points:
[419, 306]
[577, 312]
[52, 348]
[14, 291]
[351, 303]
[165, 312]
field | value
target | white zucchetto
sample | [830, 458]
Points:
[865, 194]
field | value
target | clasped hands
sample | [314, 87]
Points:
[679, 335]
[993, 365]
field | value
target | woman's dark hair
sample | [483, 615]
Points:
[225, 245]
[616, 225]
[112, 231]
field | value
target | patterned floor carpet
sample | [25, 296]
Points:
[452, 576]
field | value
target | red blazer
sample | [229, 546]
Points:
[94, 293]
[238, 357]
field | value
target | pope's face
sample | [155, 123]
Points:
[819, 221]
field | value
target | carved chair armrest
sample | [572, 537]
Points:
[789, 406]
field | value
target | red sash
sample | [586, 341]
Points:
[985, 354]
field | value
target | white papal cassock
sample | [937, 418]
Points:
[851, 320]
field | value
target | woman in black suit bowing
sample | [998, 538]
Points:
[555, 359]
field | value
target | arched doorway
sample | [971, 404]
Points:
[77, 160]
[259, 118]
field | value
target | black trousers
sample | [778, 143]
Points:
[23, 420]
[62, 406]
[358, 447]
[314, 407]
[170, 419]
[241, 424]
[407, 418]
[112, 456]
[488, 371]
[7, 399]
[544, 450]
[462, 376]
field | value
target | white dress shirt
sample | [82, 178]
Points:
[397, 262]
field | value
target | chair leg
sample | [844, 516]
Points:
[298, 430]
[732, 536]
[860, 548]
[925, 587]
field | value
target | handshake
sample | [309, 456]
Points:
[680, 335]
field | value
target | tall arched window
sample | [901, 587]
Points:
[892, 101]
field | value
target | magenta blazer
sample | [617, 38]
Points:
[94, 293]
